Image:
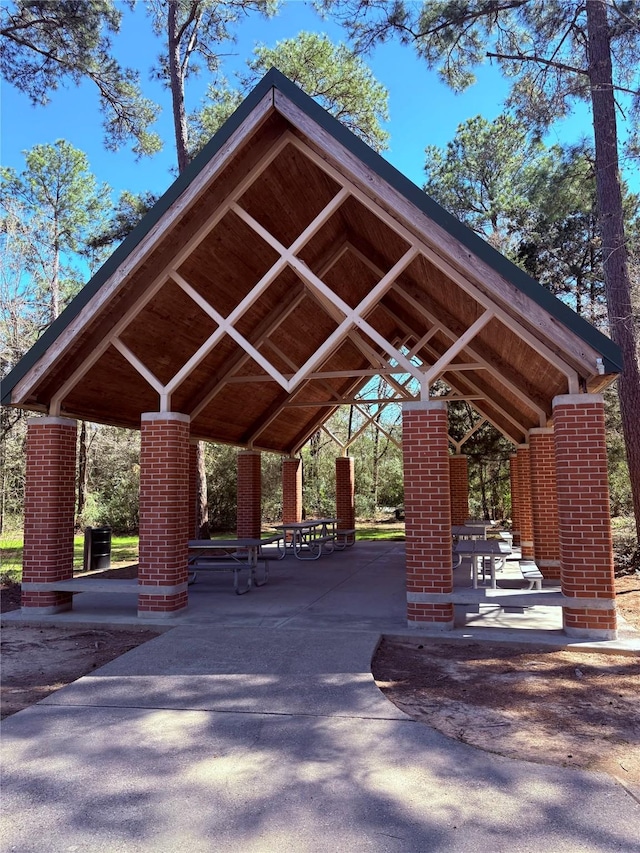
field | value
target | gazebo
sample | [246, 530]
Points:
[287, 266]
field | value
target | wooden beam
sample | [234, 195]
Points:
[266, 328]
[499, 375]
[436, 370]
[138, 366]
[137, 256]
[412, 224]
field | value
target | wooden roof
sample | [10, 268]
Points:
[287, 266]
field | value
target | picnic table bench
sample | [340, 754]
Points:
[231, 555]
[531, 573]
[309, 539]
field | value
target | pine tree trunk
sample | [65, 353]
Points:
[202, 506]
[616, 270]
[376, 467]
[176, 77]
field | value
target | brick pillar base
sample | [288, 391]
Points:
[49, 505]
[193, 491]
[345, 493]
[249, 524]
[586, 551]
[459, 478]
[164, 514]
[513, 479]
[291, 490]
[525, 514]
[427, 509]
[544, 502]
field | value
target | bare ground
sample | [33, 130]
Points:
[550, 706]
[38, 661]
[540, 704]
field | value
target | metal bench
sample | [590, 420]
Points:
[531, 573]
[231, 555]
[344, 539]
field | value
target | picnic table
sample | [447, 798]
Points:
[480, 551]
[309, 539]
[468, 531]
[231, 555]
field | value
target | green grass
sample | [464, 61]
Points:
[124, 549]
[11, 556]
[380, 534]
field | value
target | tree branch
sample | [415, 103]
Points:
[521, 57]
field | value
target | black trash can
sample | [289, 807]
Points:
[97, 548]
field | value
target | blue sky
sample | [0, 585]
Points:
[423, 111]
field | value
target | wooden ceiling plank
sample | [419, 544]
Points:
[251, 379]
[58, 398]
[264, 421]
[344, 401]
[218, 162]
[250, 299]
[461, 280]
[334, 305]
[199, 355]
[388, 372]
[433, 237]
[492, 402]
[339, 374]
[269, 325]
[514, 389]
[316, 224]
[282, 355]
[523, 333]
[394, 353]
[436, 370]
[495, 403]
[139, 367]
[226, 325]
[475, 293]
[464, 366]
[333, 259]
[415, 349]
[323, 352]
[377, 292]
[160, 280]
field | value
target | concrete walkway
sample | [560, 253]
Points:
[261, 729]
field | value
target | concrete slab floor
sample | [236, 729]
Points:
[359, 589]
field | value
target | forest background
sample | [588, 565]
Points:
[123, 83]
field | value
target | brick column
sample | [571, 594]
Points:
[249, 522]
[427, 507]
[513, 478]
[49, 503]
[345, 493]
[586, 551]
[164, 513]
[193, 491]
[459, 478]
[291, 490]
[544, 502]
[525, 513]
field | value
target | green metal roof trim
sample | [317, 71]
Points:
[275, 79]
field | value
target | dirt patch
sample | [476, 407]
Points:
[38, 661]
[534, 703]
[544, 705]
